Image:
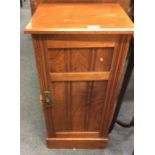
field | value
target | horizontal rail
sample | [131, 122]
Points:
[79, 76]
[79, 41]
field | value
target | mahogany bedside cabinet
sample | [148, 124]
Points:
[80, 50]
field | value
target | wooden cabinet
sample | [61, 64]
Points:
[80, 50]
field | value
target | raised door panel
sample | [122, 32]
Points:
[80, 60]
[77, 106]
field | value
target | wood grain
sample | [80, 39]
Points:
[124, 3]
[80, 59]
[44, 83]
[84, 41]
[99, 18]
[58, 104]
[76, 142]
[118, 64]
[79, 98]
[77, 135]
[80, 76]
[96, 106]
[68, 88]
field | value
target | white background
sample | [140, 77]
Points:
[144, 71]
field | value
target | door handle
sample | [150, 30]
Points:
[48, 98]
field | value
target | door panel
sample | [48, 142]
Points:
[103, 59]
[56, 60]
[97, 101]
[59, 109]
[78, 105]
[80, 60]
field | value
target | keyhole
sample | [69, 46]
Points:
[101, 59]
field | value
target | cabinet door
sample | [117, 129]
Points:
[82, 74]
[78, 67]
[78, 95]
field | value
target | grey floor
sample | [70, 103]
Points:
[32, 121]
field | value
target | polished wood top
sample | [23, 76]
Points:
[75, 18]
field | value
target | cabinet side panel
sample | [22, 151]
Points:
[40, 57]
[118, 62]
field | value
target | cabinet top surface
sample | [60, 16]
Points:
[102, 18]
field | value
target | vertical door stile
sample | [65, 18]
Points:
[68, 90]
[47, 109]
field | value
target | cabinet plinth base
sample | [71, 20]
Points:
[83, 143]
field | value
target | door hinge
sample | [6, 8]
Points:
[47, 95]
